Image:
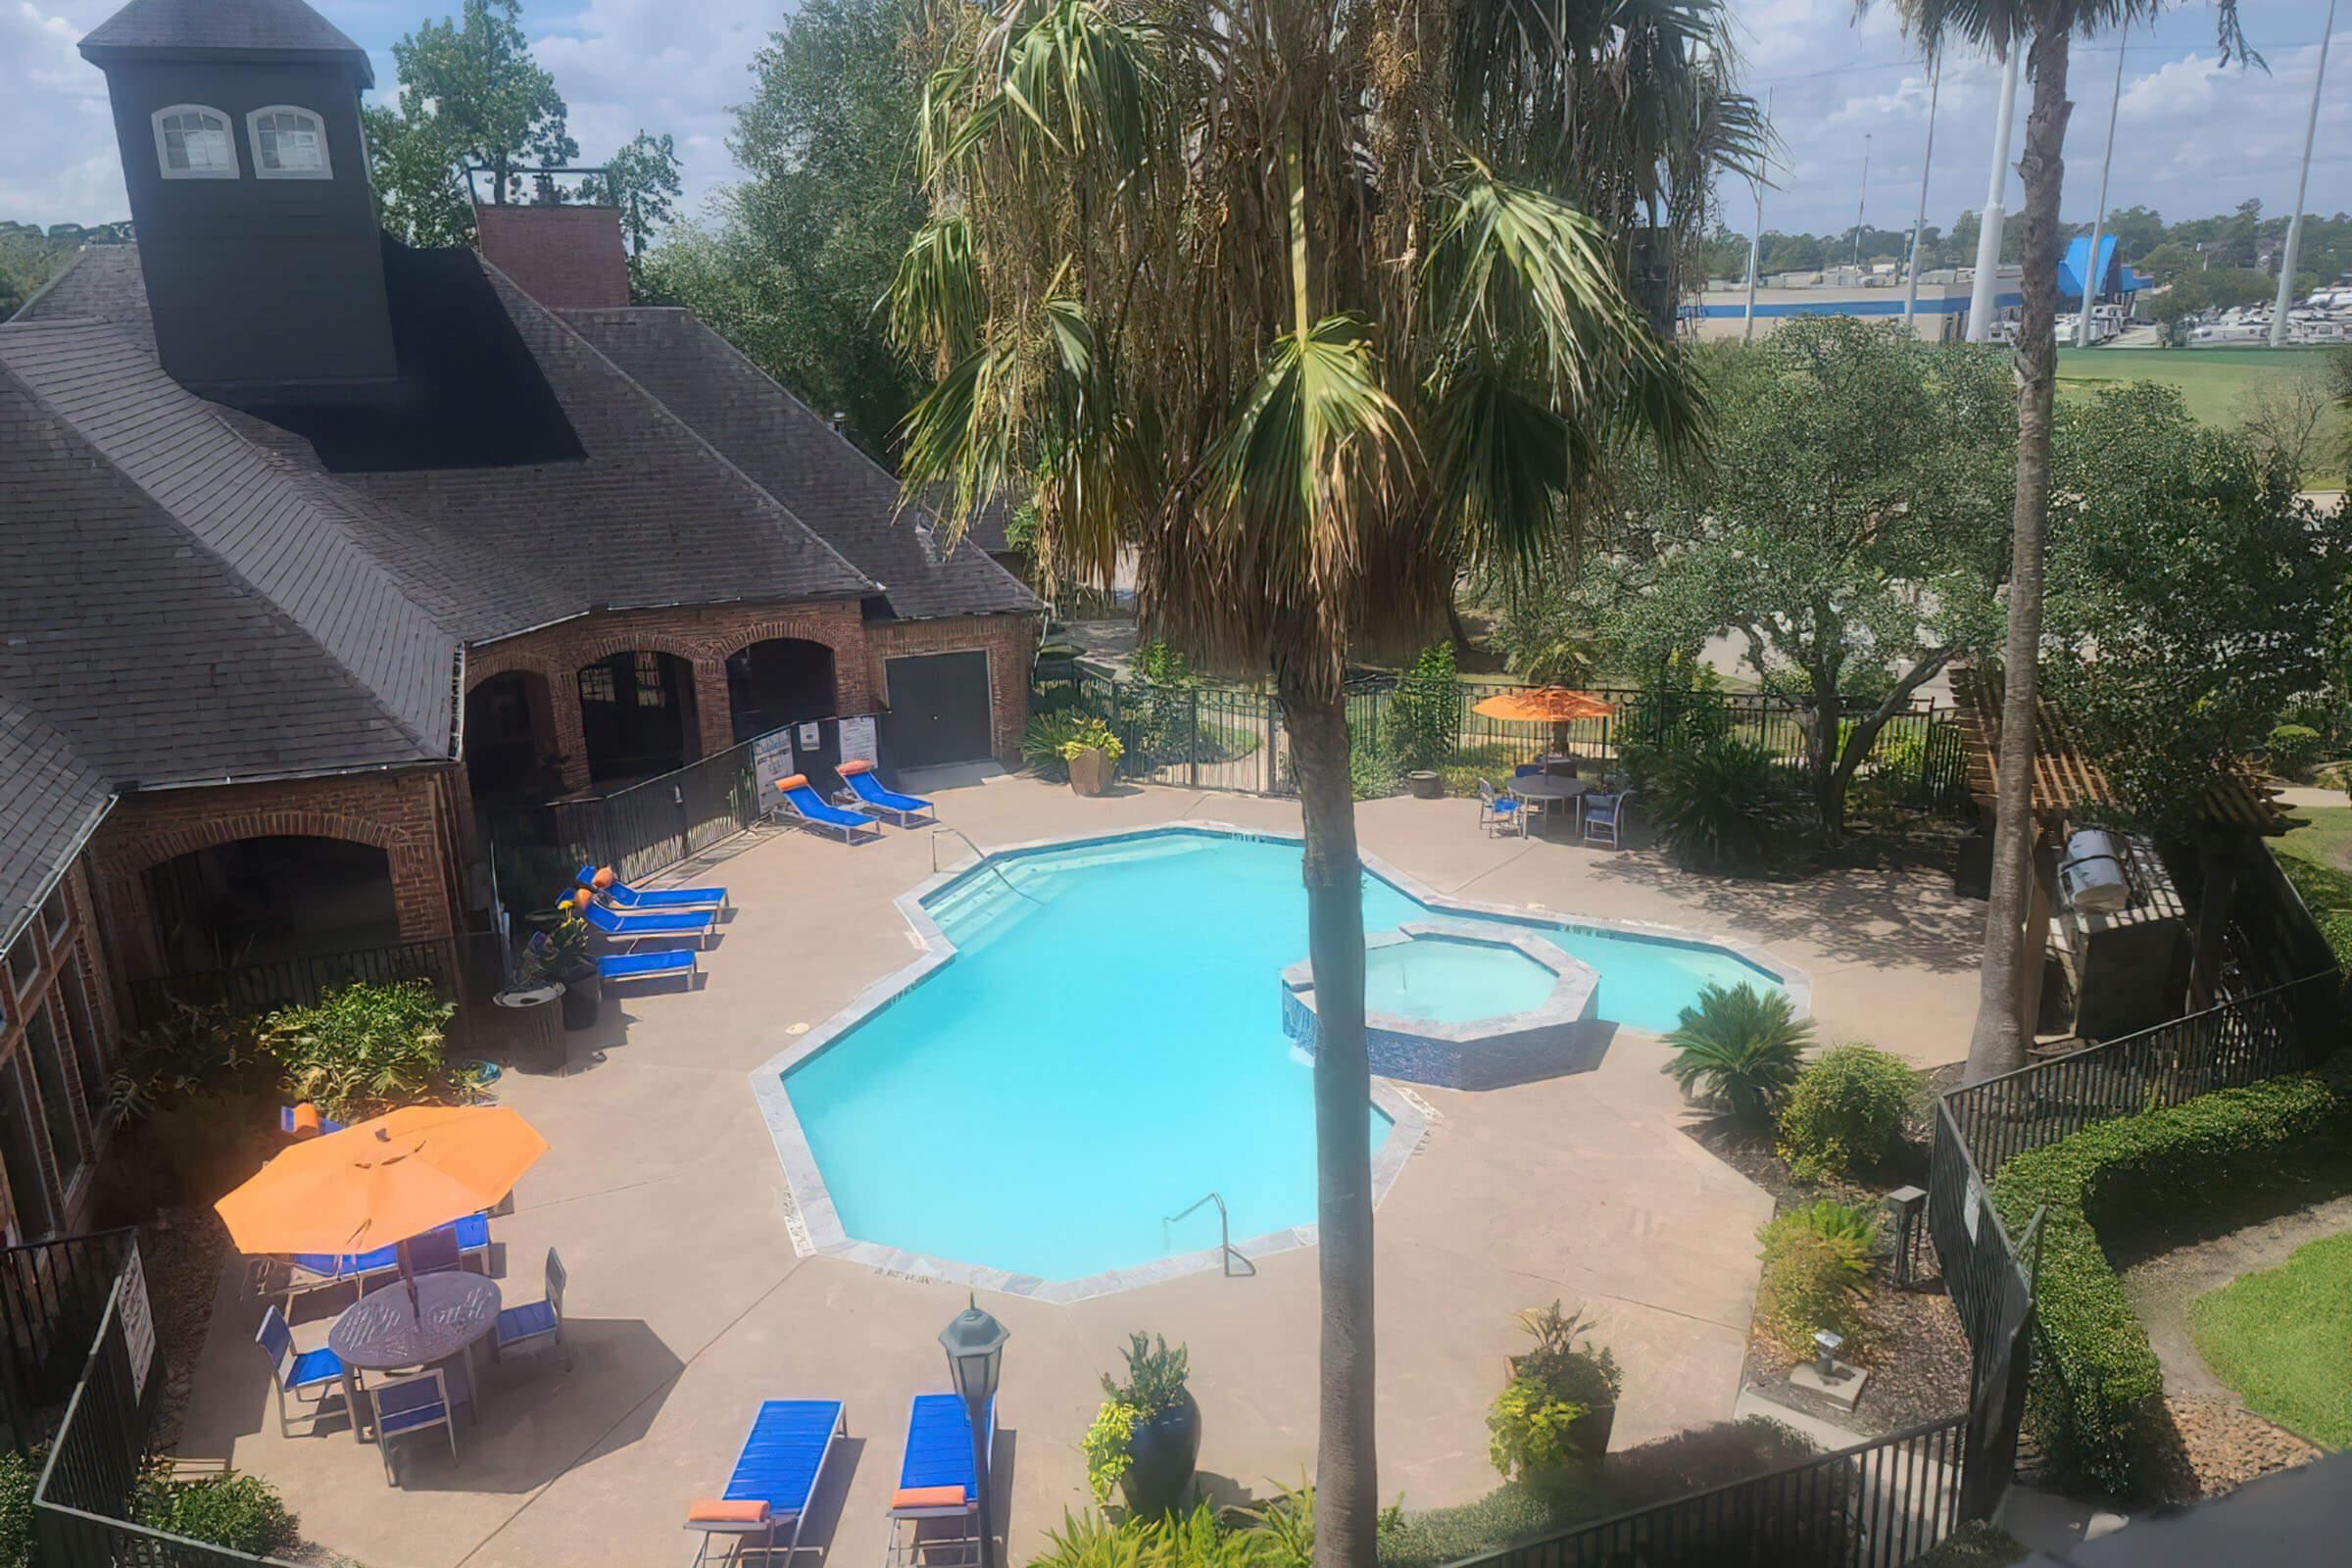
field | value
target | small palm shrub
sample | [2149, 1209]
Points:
[1845, 1111]
[1816, 1267]
[1739, 1048]
[363, 1048]
[1721, 804]
[1042, 741]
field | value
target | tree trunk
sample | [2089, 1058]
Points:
[1999, 1045]
[1346, 1472]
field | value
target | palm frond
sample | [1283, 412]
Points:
[936, 306]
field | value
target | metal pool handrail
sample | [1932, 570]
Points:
[992, 865]
[1226, 1255]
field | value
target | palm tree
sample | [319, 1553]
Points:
[1313, 307]
[2045, 31]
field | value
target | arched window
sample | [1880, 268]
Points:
[288, 143]
[192, 142]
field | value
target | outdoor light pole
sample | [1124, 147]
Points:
[2294, 229]
[1918, 225]
[2094, 276]
[1989, 226]
[975, 1347]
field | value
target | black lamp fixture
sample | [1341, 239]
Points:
[975, 1347]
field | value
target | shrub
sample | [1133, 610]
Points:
[1424, 720]
[1813, 1279]
[18, 1476]
[1091, 734]
[360, 1048]
[1278, 1536]
[1156, 1380]
[2328, 894]
[1372, 773]
[242, 1512]
[1513, 1512]
[1722, 805]
[1740, 1048]
[1847, 1112]
[2098, 1390]
[2293, 748]
[1042, 741]
[1106, 1447]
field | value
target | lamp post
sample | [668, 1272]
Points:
[975, 1347]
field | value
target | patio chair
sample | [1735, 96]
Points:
[1605, 817]
[936, 1483]
[859, 775]
[434, 1252]
[607, 884]
[614, 966]
[310, 1376]
[1498, 811]
[620, 928]
[776, 1474]
[533, 1321]
[295, 1125]
[799, 800]
[416, 1402]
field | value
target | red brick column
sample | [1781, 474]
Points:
[713, 712]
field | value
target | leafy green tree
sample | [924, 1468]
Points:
[642, 181]
[800, 251]
[2168, 260]
[2138, 231]
[1314, 311]
[412, 167]
[492, 105]
[1850, 536]
[2213, 287]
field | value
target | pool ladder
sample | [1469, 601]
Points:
[984, 860]
[1225, 1253]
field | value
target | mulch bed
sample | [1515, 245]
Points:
[183, 1251]
[2213, 1445]
[1915, 1349]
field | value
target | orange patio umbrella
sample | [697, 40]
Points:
[1556, 706]
[382, 1181]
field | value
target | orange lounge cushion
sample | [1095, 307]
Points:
[797, 781]
[928, 1498]
[582, 898]
[720, 1511]
[854, 766]
[603, 879]
[308, 1123]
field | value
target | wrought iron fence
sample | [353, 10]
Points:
[1875, 1505]
[52, 1296]
[2240, 1042]
[92, 1474]
[253, 987]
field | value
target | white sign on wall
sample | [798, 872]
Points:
[138, 1320]
[858, 741]
[771, 760]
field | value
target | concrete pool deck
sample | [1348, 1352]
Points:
[688, 1303]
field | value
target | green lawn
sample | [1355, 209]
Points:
[2282, 1339]
[2211, 380]
[2322, 835]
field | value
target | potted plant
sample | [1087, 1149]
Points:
[1561, 1401]
[1146, 1439]
[560, 953]
[1092, 752]
[1426, 784]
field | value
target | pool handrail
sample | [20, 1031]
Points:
[1226, 1255]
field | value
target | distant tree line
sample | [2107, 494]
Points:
[31, 255]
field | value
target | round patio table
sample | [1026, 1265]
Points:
[382, 1333]
[1548, 789]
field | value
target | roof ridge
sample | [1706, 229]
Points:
[672, 416]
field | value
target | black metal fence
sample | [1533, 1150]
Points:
[52, 1296]
[1875, 1505]
[253, 987]
[2240, 1042]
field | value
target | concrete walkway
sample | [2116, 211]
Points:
[688, 1302]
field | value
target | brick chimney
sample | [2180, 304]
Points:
[568, 258]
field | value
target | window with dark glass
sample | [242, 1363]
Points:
[89, 1050]
[649, 690]
[28, 1184]
[55, 1083]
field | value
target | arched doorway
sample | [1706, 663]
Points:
[268, 900]
[636, 714]
[780, 680]
[509, 739]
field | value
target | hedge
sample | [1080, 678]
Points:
[2098, 1388]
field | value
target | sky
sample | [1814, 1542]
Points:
[2191, 138]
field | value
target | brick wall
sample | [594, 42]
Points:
[568, 258]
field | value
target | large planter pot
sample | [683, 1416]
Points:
[1588, 1434]
[1161, 1453]
[1425, 785]
[583, 1000]
[1090, 773]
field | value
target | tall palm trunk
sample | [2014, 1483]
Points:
[1347, 1468]
[2000, 1043]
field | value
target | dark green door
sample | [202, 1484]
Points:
[938, 711]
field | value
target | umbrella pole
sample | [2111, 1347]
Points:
[408, 1275]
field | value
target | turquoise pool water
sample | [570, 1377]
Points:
[1438, 981]
[1107, 1047]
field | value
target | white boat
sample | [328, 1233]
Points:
[2228, 334]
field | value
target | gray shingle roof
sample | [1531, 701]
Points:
[49, 802]
[781, 442]
[221, 28]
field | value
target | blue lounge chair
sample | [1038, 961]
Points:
[308, 1375]
[650, 901]
[799, 798]
[860, 777]
[782, 1461]
[314, 1271]
[936, 1482]
[646, 966]
[631, 927]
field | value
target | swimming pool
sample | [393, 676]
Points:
[1105, 1047]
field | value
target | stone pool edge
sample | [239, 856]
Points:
[820, 1231]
